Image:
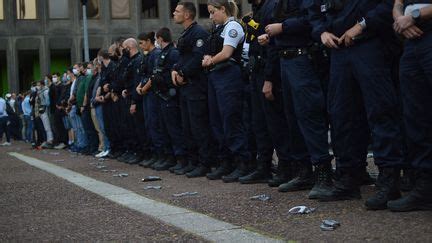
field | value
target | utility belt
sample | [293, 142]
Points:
[223, 65]
[291, 53]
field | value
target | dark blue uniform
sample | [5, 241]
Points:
[416, 87]
[151, 104]
[361, 79]
[300, 78]
[269, 122]
[225, 94]
[169, 103]
[193, 95]
[416, 80]
[360, 84]
[130, 77]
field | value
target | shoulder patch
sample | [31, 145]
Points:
[233, 33]
[199, 43]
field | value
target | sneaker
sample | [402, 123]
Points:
[47, 146]
[105, 153]
[6, 144]
[60, 146]
[99, 154]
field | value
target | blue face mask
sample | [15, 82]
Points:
[46, 82]
[68, 78]
[89, 72]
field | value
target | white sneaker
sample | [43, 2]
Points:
[6, 144]
[99, 154]
[105, 153]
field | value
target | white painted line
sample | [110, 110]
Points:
[187, 220]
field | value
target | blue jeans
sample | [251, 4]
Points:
[416, 89]
[78, 128]
[99, 117]
[28, 128]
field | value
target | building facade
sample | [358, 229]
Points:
[44, 36]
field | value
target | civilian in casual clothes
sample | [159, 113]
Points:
[28, 121]
[3, 122]
[44, 101]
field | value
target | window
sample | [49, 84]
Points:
[173, 5]
[120, 9]
[93, 9]
[26, 9]
[1, 10]
[150, 9]
[202, 9]
[58, 9]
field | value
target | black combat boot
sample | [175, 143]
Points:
[366, 179]
[323, 181]
[149, 162]
[161, 160]
[303, 181]
[283, 174]
[135, 159]
[170, 161]
[116, 154]
[388, 189]
[180, 165]
[199, 171]
[241, 170]
[408, 180]
[420, 198]
[346, 187]
[124, 156]
[224, 168]
[261, 175]
[185, 169]
[145, 157]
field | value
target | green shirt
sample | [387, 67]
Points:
[82, 88]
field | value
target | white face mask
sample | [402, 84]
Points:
[89, 72]
[55, 79]
[157, 45]
[75, 71]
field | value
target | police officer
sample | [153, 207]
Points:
[136, 135]
[268, 119]
[226, 87]
[121, 123]
[189, 76]
[413, 20]
[360, 78]
[151, 102]
[169, 102]
[301, 82]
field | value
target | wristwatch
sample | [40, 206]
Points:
[416, 15]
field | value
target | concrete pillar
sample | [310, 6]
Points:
[44, 56]
[164, 12]
[12, 65]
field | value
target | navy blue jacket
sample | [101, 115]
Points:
[171, 59]
[377, 13]
[295, 27]
[191, 48]
[151, 61]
